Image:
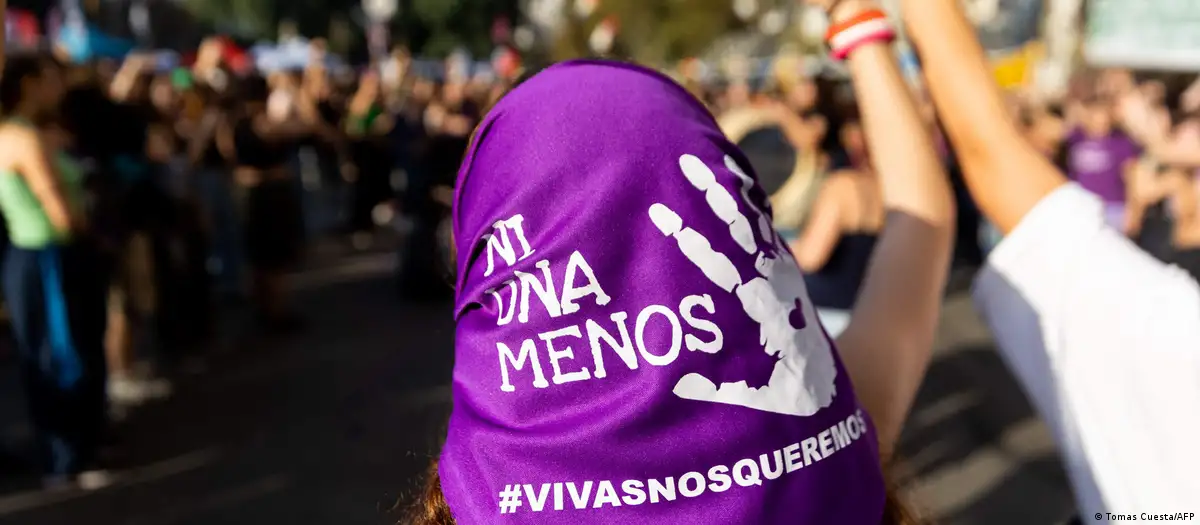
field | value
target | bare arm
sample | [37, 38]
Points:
[823, 228]
[1135, 196]
[201, 134]
[34, 165]
[284, 130]
[126, 78]
[1005, 174]
[1182, 190]
[224, 139]
[889, 342]
[1151, 128]
[1174, 153]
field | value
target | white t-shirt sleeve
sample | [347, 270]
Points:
[1106, 342]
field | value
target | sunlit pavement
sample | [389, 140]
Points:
[332, 427]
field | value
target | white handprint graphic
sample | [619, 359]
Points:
[803, 379]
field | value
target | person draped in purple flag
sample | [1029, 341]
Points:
[634, 340]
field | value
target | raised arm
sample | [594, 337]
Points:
[1096, 330]
[1005, 174]
[888, 344]
[126, 79]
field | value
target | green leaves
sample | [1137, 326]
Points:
[437, 13]
[658, 31]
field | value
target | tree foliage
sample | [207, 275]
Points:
[429, 27]
[252, 17]
[656, 31]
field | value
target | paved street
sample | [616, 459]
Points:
[331, 428]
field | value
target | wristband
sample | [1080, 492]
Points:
[866, 15]
[864, 28]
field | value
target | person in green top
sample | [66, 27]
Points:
[53, 287]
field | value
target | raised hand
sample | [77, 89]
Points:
[802, 381]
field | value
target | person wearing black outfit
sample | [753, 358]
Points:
[206, 112]
[274, 228]
[111, 138]
[449, 122]
[325, 197]
[367, 126]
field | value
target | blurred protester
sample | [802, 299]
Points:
[182, 314]
[102, 133]
[801, 95]
[738, 94]
[792, 202]
[1098, 155]
[1045, 129]
[1169, 200]
[368, 126]
[1168, 180]
[1149, 221]
[1110, 84]
[325, 192]
[215, 188]
[449, 120]
[773, 138]
[142, 262]
[285, 93]
[1101, 336]
[838, 239]
[273, 222]
[53, 291]
[852, 152]
[396, 71]
[165, 96]
[209, 67]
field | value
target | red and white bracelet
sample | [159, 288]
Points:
[864, 28]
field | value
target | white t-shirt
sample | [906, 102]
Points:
[1106, 342]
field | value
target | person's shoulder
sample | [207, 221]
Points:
[17, 140]
[18, 136]
[840, 182]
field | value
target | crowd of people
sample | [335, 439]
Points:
[140, 205]
[1129, 139]
[1085, 207]
[139, 202]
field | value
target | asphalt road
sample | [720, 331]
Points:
[333, 428]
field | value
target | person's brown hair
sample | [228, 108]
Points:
[430, 507]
